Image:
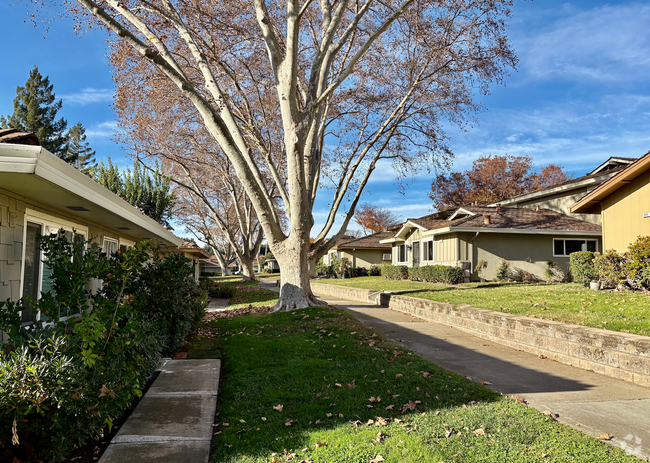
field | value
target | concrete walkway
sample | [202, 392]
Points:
[173, 422]
[587, 401]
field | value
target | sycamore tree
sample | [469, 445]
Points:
[492, 179]
[353, 85]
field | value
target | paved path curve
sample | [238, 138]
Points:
[584, 400]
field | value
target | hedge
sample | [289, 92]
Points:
[582, 267]
[437, 274]
[394, 272]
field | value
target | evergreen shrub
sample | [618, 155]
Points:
[394, 272]
[437, 274]
[582, 267]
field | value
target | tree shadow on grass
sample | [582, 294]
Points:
[330, 375]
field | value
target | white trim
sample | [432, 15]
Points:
[406, 254]
[515, 231]
[551, 191]
[43, 164]
[460, 210]
[577, 238]
[390, 241]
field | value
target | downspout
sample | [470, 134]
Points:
[471, 260]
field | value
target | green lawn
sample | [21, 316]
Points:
[377, 283]
[570, 303]
[249, 295]
[225, 279]
[303, 386]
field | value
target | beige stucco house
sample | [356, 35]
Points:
[363, 252]
[527, 238]
[623, 201]
[41, 194]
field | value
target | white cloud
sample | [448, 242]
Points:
[606, 44]
[88, 96]
[102, 130]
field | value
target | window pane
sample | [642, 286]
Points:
[32, 270]
[430, 253]
[591, 245]
[558, 247]
[574, 246]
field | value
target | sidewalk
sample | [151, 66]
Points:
[587, 401]
[173, 421]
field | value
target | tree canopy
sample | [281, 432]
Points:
[149, 191]
[374, 219]
[35, 110]
[78, 151]
[311, 94]
[492, 179]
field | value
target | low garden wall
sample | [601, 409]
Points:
[346, 292]
[618, 355]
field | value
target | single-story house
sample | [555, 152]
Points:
[363, 252]
[527, 238]
[212, 267]
[560, 198]
[196, 254]
[623, 201]
[41, 194]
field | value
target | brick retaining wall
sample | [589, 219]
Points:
[618, 355]
[346, 292]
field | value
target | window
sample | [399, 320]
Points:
[427, 251]
[109, 246]
[564, 247]
[37, 274]
[402, 253]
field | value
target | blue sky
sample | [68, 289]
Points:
[580, 94]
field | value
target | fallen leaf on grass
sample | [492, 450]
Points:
[356, 423]
[287, 423]
[380, 421]
[320, 444]
[409, 406]
[329, 415]
[518, 400]
[338, 385]
[555, 416]
[479, 432]
[377, 459]
[485, 383]
[278, 407]
[398, 375]
[390, 407]
[426, 374]
[375, 399]
[604, 437]
[318, 422]
[450, 432]
[379, 439]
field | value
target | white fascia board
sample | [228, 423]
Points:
[516, 231]
[460, 210]
[552, 191]
[391, 241]
[40, 162]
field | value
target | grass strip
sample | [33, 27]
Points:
[317, 386]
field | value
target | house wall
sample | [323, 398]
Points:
[364, 257]
[446, 250]
[562, 202]
[12, 219]
[525, 252]
[622, 214]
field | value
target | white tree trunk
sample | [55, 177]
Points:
[295, 290]
[247, 270]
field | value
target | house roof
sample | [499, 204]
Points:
[194, 250]
[19, 138]
[367, 242]
[594, 178]
[591, 201]
[614, 162]
[38, 175]
[505, 220]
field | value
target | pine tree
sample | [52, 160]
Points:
[35, 111]
[78, 152]
[150, 192]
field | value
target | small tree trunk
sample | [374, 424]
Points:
[225, 270]
[247, 270]
[295, 290]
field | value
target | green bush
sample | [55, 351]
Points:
[637, 260]
[394, 272]
[358, 272]
[66, 377]
[503, 271]
[437, 274]
[609, 268]
[375, 271]
[582, 267]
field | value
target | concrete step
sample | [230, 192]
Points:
[173, 421]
